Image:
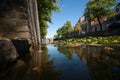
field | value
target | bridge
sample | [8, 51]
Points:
[48, 41]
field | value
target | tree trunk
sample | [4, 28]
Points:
[89, 25]
[87, 31]
[100, 24]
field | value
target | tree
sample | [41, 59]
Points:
[77, 27]
[65, 29]
[56, 36]
[59, 32]
[45, 8]
[98, 9]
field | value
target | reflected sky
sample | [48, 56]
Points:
[74, 69]
[61, 63]
[85, 63]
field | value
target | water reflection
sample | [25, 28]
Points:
[101, 64]
[34, 67]
[61, 63]
[48, 72]
[70, 63]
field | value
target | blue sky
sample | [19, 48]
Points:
[70, 10]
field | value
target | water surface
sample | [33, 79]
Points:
[60, 63]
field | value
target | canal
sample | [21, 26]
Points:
[61, 63]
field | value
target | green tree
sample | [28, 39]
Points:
[97, 9]
[77, 27]
[65, 29]
[59, 32]
[45, 9]
[56, 36]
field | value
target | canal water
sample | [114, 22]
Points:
[61, 63]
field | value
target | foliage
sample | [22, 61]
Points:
[98, 9]
[77, 27]
[56, 36]
[66, 28]
[111, 40]
[59, 32]
[45, 8]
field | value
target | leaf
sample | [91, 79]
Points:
[37, 69]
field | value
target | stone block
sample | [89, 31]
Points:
[23, 35]
[22, 28]
[8, 52]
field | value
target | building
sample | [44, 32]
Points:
[83, 24]
[116, 17]
[117, 8]
[92, 27]
[95, 27]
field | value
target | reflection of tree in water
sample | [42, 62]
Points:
[102, 66]
[66, 51]
[48, 72]
[81, 53]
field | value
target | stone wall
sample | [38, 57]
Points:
[13, 19]
[19, 20]
[8, 52]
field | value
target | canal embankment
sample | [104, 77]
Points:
[11, 50]
[93, 41]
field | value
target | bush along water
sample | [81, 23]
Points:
[111, 40]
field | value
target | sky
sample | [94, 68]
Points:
[70, 10]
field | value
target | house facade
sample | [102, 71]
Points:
[117, 8]
[92, 28]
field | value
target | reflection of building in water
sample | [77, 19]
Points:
[101, 66]
[81, 53]
[84, 59]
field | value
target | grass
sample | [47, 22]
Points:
[111, 40]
